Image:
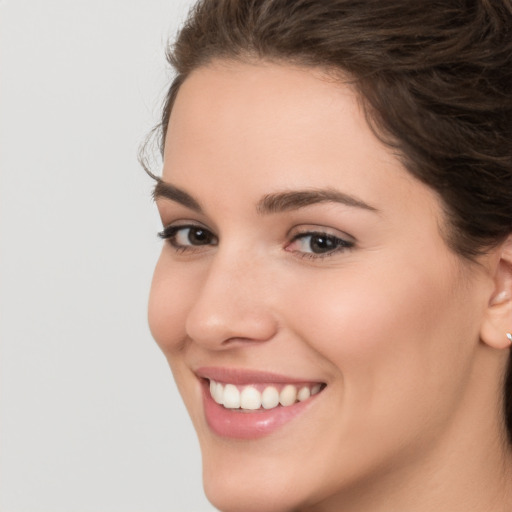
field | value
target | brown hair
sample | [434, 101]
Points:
[435, 80]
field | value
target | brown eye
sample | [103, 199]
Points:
[312, 244]
[188, 236]
[198, 236]
[323, 243]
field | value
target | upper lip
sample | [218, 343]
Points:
[242, 376]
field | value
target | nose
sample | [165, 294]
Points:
[233, 304]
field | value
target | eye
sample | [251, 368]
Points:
[317, 244]
[187, 237]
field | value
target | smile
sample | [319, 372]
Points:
[241, 404]
[259, 396]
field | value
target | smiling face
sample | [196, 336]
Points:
[302, 258]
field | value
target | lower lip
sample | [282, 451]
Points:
[248, 425]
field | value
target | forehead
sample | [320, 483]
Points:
[268, 116]
[260, 83]
[246, 130]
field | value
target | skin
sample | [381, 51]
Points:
[393, 325]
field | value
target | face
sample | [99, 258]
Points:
[305, 281]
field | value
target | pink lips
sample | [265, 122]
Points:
[238, 424]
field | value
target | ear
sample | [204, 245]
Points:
[496, 327]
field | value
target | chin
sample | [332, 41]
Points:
[267, 476]
[239, 477]
[251, 493]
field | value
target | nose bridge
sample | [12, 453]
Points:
[233, 300]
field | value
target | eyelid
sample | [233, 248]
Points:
[342, 243]
[178, 220]
[183, 223]
[164, 233]
[315, 229]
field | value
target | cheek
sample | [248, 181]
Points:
[360, 314]
[169, 301]
[390, 337]
[167, 308]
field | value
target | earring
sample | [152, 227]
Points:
[509, 336]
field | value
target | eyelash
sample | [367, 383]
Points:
[338, 244]
[170, 234]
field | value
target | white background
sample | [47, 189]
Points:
[90, 418]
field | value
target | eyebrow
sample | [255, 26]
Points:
[270, 203]
[163, 189]
[295, 199]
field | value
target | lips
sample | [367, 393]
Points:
[247, 405]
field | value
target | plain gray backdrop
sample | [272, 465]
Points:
[90, 417]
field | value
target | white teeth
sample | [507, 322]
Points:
[249, 398]
[288, 395]
[303, 394]
[270, 397]
[231, 398]
[218, 393]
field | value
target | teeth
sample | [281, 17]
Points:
[270, 397]
[250, 398]
[218, 393]
[288, 395]
[303, 394]
[231, 398]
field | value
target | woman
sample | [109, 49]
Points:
[334, 296]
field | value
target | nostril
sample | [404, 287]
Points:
[236, 340]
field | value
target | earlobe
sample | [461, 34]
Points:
[496, 330]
